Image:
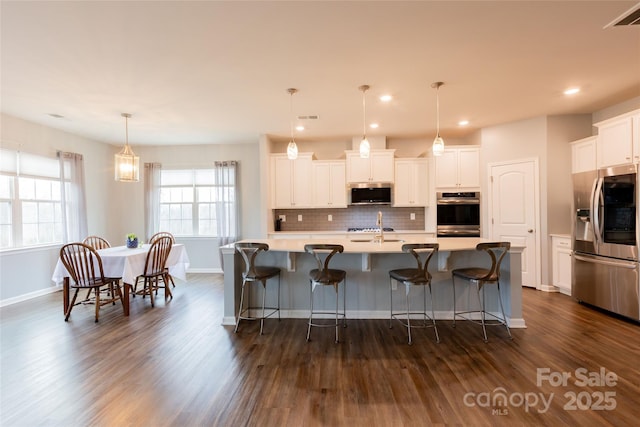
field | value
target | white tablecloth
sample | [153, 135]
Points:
[120, 261]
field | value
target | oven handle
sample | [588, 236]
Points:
[458, 201]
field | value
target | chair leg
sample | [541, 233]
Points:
[264, 294]
[311, 313]
[149, 285]
[504, 318]
[482, 317]
[97, 292]
[73, 301]
[344, 303]
[433, 315]
[278, 296]
[240, 308]
[390, 303]
[337, 309]
[453, 283]
[406, 297]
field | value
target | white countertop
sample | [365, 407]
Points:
[297, 245]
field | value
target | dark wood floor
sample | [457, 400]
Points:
[175, 365]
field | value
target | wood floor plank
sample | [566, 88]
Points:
[175, 365]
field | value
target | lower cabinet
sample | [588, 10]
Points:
[561, 264]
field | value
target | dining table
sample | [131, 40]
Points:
[126, 263]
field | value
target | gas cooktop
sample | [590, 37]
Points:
[367, 229]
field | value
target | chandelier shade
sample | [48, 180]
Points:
[292, 147]
[127, 164]
[365, 147]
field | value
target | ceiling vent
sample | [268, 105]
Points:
[311, 117]
[630, 17]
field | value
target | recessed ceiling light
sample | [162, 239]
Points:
[374, 126]
[299, 127]
[386, 98]
[572, 91]
[463, 122]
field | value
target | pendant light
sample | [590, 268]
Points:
[438, 142]
[127, 164]
[292, 148]
[365, 147]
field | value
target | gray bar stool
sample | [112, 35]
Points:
[255, 274]
[411, 277]
[480, 277]
[323, 275]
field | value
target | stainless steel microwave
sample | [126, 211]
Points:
[367, 193]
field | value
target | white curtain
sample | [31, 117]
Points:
[151, 199]
[226, 175]
[74, 212]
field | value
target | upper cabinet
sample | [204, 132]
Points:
[410, 187]
[377, 168]
[583, 155]
[458, 168]
[291, 181]
[329, 189]
[618, 140]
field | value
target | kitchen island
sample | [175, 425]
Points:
[367, 264]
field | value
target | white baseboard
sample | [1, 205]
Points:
[547, 288]
[204, 270]
[25, 297]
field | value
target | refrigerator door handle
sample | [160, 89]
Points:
[606, 261]
[596, 198]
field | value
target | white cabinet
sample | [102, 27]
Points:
[377, 168]
[329, 188]
[583, 155]
[410, 187]
[291, 181]
[561, 263]
[458, 168]
[619, 140]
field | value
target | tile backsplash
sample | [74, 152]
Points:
[353, 216]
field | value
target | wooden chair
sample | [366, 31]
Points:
[173, 240]
[96, 242]
[155, 271]
[412, 277]
[255, 274]
[323, 275]
[480, 277]
[85, 268]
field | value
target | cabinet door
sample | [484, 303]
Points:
[281, 185]
[446, 166]
[469, 167]
[403, 186]
[381, 166]
[301, 180]
[561, 250]
[420, 179]
[337, 185]
[321, 187]
[615, 143]
[358, 169]
[583, 155]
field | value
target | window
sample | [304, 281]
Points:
[30, 200]
[188, 202]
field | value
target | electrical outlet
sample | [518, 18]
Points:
[412, 216]
[283, 218]
[299, 217]
[329, 218]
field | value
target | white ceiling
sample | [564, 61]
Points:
[217, 72]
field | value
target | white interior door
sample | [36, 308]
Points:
[513, 204]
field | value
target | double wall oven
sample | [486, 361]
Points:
[605, 240]
[458, 214]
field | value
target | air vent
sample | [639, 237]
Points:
[311, 117]
[630, 17]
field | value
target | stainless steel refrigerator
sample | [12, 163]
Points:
[605, 240]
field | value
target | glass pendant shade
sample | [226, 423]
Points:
[365, 148]
[292, 150]
[127, 164]
[438, 146]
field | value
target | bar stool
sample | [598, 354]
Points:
[323, 275]
[480, 277]
[411, 277]
[255, 274]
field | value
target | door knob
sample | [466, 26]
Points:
[530, 230]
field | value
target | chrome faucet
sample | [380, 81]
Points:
[379, 237]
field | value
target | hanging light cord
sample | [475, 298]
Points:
[291, 114]
[126, 130]
[438, 110]
[364, 114]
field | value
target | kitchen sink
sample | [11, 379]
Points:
[375, 240]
